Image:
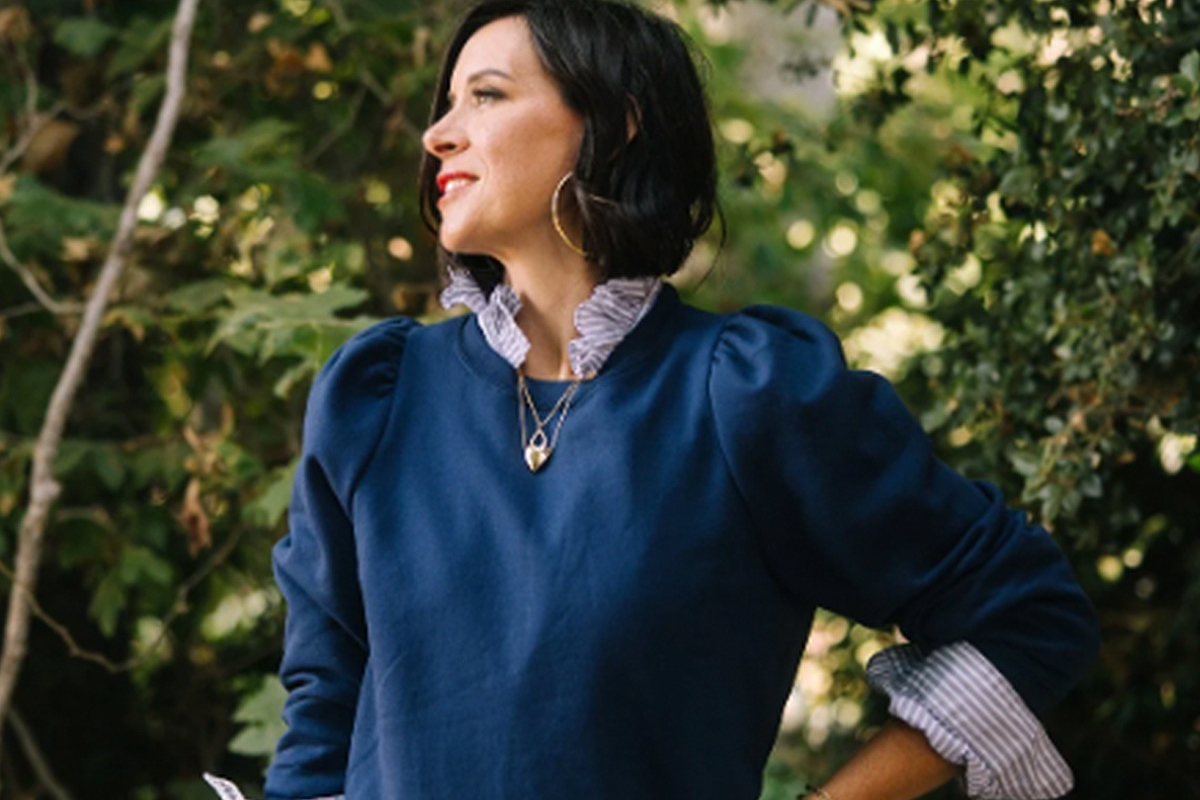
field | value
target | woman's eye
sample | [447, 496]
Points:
[481, 96]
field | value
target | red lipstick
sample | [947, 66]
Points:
[446, 177]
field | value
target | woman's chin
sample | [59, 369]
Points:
[461, 244]
[454, 243]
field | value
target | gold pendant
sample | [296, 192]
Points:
[536, 455]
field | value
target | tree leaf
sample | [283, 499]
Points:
[81, 537]
[137, 563]
[261, 140]
[109, 464]
[108, 601]
[271, 503]
[262, 713]
[39, 218]
[83, 36]
[1020, 183]
[288, 325]
[140, 40]
[1189, 67]
[193, 299]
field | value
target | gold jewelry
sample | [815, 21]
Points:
[558, 226]
[538, 447]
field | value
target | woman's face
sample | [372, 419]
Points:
[504, 143]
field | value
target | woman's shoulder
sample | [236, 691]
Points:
[351, 395]
[760, 324]
[765, 344]
[368, 358]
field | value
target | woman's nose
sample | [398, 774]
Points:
[443, 138]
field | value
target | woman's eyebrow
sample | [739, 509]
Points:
[499, 73]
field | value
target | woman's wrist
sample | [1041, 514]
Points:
[896, 764]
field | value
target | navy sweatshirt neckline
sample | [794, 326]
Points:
[642, 341]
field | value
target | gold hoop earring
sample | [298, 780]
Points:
[558, 226]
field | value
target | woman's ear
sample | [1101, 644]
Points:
[633, 118]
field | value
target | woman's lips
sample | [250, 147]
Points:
[451, 182]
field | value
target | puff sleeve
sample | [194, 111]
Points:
[325, 640]
[856, 514]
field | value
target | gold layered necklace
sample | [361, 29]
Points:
[539, 447]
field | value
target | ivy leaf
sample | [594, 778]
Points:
[1020, 183]
[70, 455]
[288, 381]
[259, 141]
[1189, 68]
[131, 318]
[109, 466]
[107, 602]
[140, 40]
[272, 326]
[315, 201]
[1025, 464]
[139, 562]
[268, 508]
[147, 89]
[262, 712]
[83, 36]
[193, 299]
[39, 218]
[160, 465]
[81, 537]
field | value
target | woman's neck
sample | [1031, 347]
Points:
[550, 291]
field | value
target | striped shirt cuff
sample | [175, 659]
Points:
[972, 717]
[228, 790]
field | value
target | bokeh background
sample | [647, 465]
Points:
[994, 202]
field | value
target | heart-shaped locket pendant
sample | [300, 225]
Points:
[536, 455]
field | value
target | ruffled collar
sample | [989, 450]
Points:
[603, 320]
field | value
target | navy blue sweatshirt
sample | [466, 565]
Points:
[626, 623]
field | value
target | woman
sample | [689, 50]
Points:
[570, 545]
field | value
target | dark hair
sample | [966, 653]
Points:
[643, 200]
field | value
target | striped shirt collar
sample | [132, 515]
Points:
[603, 320]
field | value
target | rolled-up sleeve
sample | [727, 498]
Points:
[972, 717]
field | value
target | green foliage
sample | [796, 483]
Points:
[1069, 367]
[83, 36]
[281, 224]
[269, 326]
[997, 208]
[260, 712]
[41, 219]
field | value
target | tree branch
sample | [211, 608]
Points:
[35, 757]
[339, 15]
[44, 489]
[178, 607]
[31, 101]
[31, 282]
[20, 310]
[34, 122]
[341, 130]
[371, 82]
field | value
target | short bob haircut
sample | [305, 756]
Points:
[644, 199]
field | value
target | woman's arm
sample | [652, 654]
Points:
[896, 764]
[857, 515]
[325, 650]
